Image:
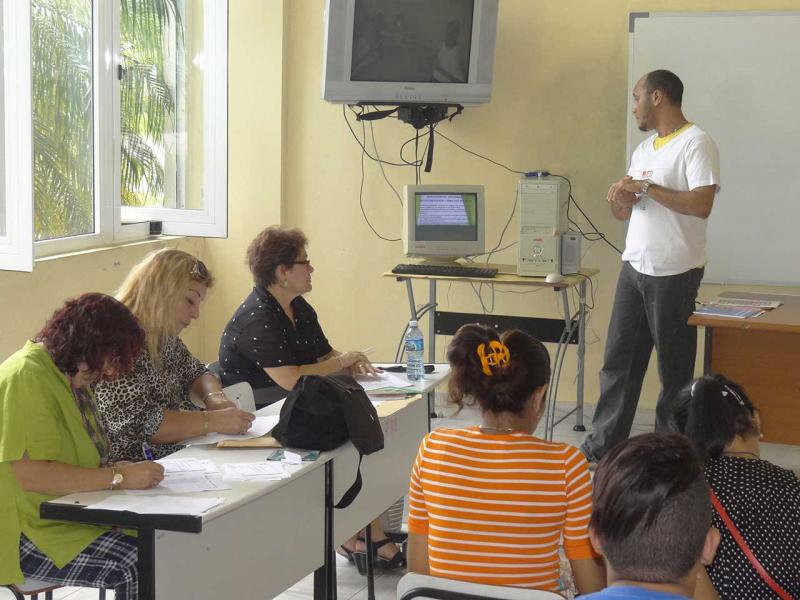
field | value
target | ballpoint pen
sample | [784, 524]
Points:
[147, 451]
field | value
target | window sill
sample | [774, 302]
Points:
[151, 240]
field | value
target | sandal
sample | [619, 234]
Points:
[346, 552]
[398, 561]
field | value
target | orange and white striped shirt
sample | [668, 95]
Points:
[495, 507]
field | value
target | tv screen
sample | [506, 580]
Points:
[409, 51]
[398, 40]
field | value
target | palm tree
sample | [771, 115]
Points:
[61, 64]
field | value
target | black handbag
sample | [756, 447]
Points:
[322, 413]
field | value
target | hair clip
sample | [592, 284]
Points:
[498, 355]
[727, 389]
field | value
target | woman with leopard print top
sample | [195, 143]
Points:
[169, 395]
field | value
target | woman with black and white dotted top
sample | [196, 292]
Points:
[159, 401]
[274, 338]
[761, 499]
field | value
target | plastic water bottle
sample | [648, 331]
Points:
[415, 346]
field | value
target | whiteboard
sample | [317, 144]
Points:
[741, 73]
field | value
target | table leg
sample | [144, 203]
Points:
[370, 562]
[146, 564]
[579, 426]
[431, 344]
[709, 335]
[325, 576]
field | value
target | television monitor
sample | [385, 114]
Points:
[443, 222]
[409, 51]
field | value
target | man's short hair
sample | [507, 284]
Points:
[652, 509]
[666, 81]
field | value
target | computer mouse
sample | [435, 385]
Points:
[554, 278]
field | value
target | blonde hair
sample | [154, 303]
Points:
[153, 288]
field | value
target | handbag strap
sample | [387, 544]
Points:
[762, 572]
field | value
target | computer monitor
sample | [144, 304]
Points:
[443, 222]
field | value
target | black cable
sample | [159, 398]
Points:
[363, 145]
[494, 162]
[361, 188]
[571, 200]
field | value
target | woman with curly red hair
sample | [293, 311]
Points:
[52, 443]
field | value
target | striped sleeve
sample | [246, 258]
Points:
[579, 506]
[417, 511]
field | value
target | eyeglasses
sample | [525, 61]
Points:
[199, 270]
[301, 262]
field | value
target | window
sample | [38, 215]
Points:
[129, 120]
[16, 229]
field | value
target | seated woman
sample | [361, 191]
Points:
[761, 499]
[158, 402]
[490, 504]
[52, 443]
[274, 338]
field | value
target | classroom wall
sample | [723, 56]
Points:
[559, 103]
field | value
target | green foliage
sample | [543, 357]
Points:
[63, 121]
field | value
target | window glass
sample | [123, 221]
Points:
[161, 98]
[3, 225]
[63, 125]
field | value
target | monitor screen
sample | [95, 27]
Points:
[446, 216]
[443, 222]
[412, 41]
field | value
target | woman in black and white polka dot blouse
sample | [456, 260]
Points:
[274, 338]
[761, 499]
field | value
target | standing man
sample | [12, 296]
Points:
[667, 196]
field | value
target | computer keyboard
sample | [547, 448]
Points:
[445, 270]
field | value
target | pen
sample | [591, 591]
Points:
[147, 451]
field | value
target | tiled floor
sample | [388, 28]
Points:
[352, 586]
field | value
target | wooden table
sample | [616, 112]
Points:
[762, 354]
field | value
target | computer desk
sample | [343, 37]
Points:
[266, 536]
[761, 354]
[569, 330]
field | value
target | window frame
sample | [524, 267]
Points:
[114, 223]
[16, 246]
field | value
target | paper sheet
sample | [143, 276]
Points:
[384, 380]
[261, 426]
[187, 465]
[168, 505]
[185, 483]
[261, 471]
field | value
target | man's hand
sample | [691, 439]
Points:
[622, 195]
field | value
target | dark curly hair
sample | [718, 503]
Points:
[95, 329]
[510, 386]
[271, 248]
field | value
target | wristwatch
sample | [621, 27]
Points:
[646, 186]
[117, 479]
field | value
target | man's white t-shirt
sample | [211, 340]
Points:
[661, 241]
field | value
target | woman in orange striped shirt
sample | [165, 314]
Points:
[490, 504]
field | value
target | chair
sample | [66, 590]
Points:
[33, 587]
[414, 585]
[261, 397]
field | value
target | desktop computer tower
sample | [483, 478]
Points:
[543, 203]
[570, 253]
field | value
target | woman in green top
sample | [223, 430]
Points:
[53, 443]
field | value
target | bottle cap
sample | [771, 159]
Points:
[412, 323]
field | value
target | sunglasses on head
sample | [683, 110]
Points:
[199, 270]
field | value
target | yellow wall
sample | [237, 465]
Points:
[27, 299]
[559, 103]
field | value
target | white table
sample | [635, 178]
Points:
[266, 536]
